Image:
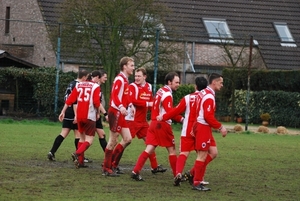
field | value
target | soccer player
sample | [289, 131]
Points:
[99, 126]
[68, 121]
[160, 133]
[88, 109]
[116, 118]
[206, 106]
[140, 94]
[187, 105]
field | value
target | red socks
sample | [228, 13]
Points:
[107, 159]
[207, 160]
[82, 147]
[153, 161]
[117, 155]
[199, 165]
[140, 162]
[180, 163]
[173, 160]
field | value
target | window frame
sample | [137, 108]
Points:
[225, 27]
[7, 20]
[283, 39]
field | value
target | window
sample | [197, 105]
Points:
[283, 32]
[217, 28]
[285, 35]
[7, 18]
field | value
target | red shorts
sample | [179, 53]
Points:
[86, 126]
[138, 129]
[203, 136]
[160, 134]
[116, 120]
[187, 144]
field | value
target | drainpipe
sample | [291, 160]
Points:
[57, 69]
[248, 83]
[156, 61]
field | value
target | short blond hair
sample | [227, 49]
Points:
[124, 61]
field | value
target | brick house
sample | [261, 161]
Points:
[203, 25]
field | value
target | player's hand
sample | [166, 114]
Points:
[97, 116]
[150, 104]
[75, 120]
[61, 117]
[159, 118]
[123, 111]
[192, 131]
[223, 131]
[106, 118]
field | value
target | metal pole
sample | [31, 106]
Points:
[248, 84]
[184, 63]
[156, 61]
[57, 69]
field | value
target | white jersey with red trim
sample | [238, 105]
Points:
[87, 96]
[163, 103]
[188, 106]
[206, 106]
[190, 114]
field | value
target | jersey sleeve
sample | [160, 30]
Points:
[175, 111]
[209, 114]
[133, 97]
[168, 106]
[115, 93]
[96, 95]
[72, 97]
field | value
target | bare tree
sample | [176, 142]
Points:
[236, 55]
[104, 31]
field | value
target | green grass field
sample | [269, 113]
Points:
[249, 167]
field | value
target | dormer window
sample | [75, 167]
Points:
[284, 34]
[217, 28]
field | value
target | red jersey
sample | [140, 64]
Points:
[163, 103]
[206, 106]
[139, 96]
[188, 105]
[119, 93]
[87, 96]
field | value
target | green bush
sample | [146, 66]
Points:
[284, 107]
[35, 88]
[183, 90]
[262, 79]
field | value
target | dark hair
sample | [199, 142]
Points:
[102, 72]
[82, 73]
[213, 76]
[170, 77]
[94, 73]
[141, 69]
[124, 61]
[201, 83]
